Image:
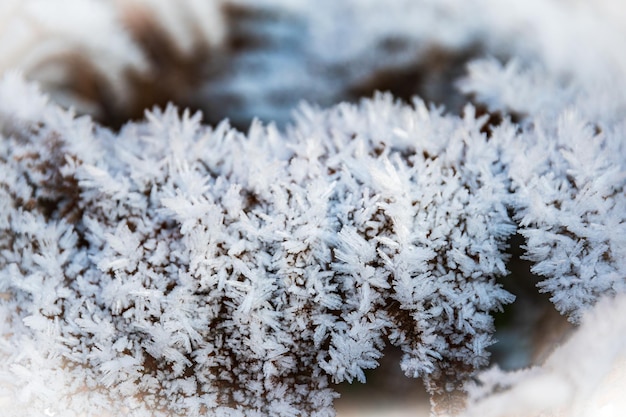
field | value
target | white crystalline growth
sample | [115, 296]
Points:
[570, 181]
[568, 170]
[568, 158]
[178, 269]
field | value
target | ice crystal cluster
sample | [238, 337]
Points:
[191, 269]
[179, 268]
[568, 169]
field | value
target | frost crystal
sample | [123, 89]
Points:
[568, 170]
[175, 268]
[573, 209]
[182, 269]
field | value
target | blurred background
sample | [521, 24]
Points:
[241, 59]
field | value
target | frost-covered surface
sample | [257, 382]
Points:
[185, 269]
[568, 167]
[570, 181]
[568, 163]
[174, 268]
